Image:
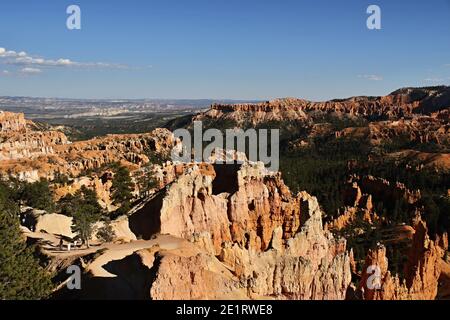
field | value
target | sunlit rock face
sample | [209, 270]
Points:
[421, 272]
[272, 241]
[403, 102]
[29, 154]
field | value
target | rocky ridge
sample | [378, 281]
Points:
[403, 102]
[29, 155]
[271, 240]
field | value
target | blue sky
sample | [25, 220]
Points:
[237, 49]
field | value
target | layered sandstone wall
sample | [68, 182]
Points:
[10, 121]
[399, 103]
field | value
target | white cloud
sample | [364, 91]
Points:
[29, 70]
[5, 72]
[372, 77]
[23, 59]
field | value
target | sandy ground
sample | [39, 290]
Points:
[120, 251]
[110, 251]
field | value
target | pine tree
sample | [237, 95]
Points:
[38, 195]
[122, 188]
[106, 233]
[21, 276]
[85, 210]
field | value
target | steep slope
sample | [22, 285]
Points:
[273, 241]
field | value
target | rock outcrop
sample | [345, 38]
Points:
[18, 140]
[421, 272]
[29, 155]
[100, 184]
[360, 188]
[271, 240]
[10, 121]
[403, 102]
[50, 223]
[419, 130]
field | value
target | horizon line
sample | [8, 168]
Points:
[212, 99]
